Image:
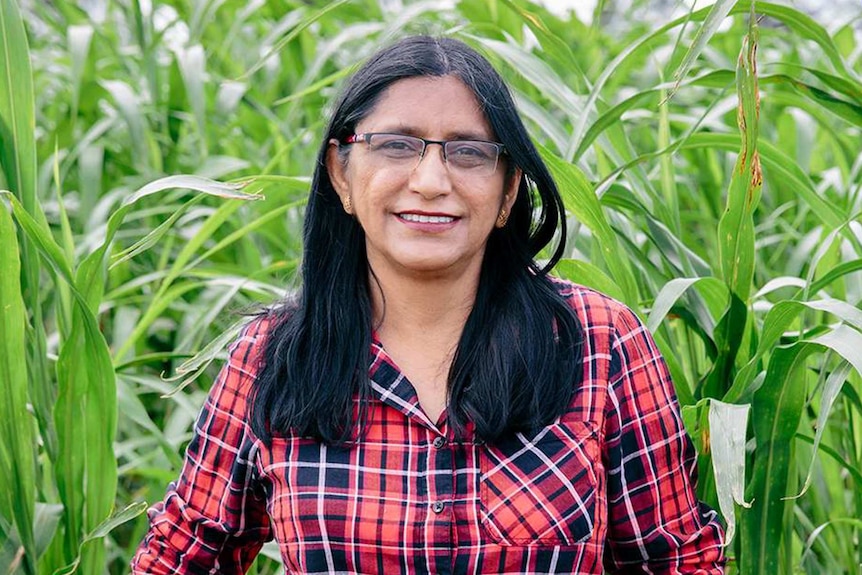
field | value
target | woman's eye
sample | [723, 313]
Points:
[396, 146]
[399, 145]
[469, 151]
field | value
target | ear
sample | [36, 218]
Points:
[337, 170]
[510, 190]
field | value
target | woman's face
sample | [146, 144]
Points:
[423, 219]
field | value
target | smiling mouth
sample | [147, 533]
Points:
[423, 219]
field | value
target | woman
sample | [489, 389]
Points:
[433, 401]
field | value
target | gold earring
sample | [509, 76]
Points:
[348, 205]
[502, 218]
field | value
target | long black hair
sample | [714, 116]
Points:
[519, 358]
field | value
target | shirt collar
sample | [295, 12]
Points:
[393, 388]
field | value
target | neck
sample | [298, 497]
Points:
[434, 307]
[419, 319]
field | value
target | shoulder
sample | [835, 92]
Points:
[249, 339]
[594, 309]
[246, 348]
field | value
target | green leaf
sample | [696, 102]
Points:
[86, 408]
[717, 13]
[838, 458]
[775, 412]
[728, 424]
[191, 62]
[295, 31]
[39, 233]
[537, 72]
[846, 342]
[17, 461]
[781, 168]
[116, 519]
[86, 420]
[835, 274]
[582, 201]
[18, 164]
[587, 274]
[809, 543]
[153, 237]
[831, 389]
[776, 323]
[670, 294]
[806, 27]
[79, 38]
[17, 114]
[190, 369]
[736, 227]
[48, 517]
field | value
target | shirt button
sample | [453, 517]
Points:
[437, 506]
[439, 442]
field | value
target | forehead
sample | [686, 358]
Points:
[430, 106]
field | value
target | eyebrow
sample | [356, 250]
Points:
[410, 131]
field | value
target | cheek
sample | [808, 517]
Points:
[373, 194]
[374, 186]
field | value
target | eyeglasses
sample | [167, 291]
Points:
[464, 157]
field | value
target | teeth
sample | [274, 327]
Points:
[427, 219]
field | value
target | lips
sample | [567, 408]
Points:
[426, 218]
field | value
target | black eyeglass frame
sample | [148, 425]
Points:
[366, 137]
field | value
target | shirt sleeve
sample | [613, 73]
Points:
[213, 518]
[655, 522]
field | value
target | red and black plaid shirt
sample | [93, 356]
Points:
[610, 485]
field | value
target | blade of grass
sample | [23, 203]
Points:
[304, 24]
[86, 405]
[736, 227]
[191, 62]
[17, 461]
[797, 20]
[580, 198]
[78, 38]
[670, 294]
[806, 27]
[18, 164]
[589, 275]
[728, 424]
[776, 323]
[831, 389]
[99, 531]
[537, 72]
[714, 19]
[85, 471]
[775, 412]
[17, 113]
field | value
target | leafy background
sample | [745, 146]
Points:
[157, 156]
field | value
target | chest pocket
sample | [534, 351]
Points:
[541, 489]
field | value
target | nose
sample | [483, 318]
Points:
[430, 177]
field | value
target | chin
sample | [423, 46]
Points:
[437, 267]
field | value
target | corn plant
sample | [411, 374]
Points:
[709, 160]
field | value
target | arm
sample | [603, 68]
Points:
[213, 518]
[656, 524]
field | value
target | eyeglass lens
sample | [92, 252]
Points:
[468, 156]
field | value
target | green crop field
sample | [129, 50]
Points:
[156, 156]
